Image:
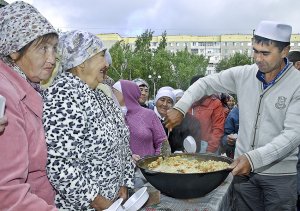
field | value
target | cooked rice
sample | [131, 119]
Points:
[180, 164]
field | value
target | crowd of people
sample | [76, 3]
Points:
[73, 144]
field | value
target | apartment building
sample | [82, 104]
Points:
[213, 47]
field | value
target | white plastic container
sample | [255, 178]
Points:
[137, 200]
[116, 206]
[189, 144]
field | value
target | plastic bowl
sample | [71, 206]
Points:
[189, 144]
[137, 200]
[116, 206]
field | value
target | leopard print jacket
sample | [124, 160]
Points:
[88, 144]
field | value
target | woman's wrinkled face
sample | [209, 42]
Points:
[94, 70]
[38, 62]
[163, 104]
[144, 94]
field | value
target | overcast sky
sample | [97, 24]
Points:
[177, 17]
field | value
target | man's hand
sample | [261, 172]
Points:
[231, 139]
[123, 193]
[100, 203]
[241, 166]
[173, 118]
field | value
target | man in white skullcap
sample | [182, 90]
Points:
[268, 92]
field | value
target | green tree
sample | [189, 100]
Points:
[142, 43]
[175, 69]
[235, 60]
[120, 52]
[163, 42]
[184, 66]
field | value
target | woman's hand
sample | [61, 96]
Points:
[100, 203]
[123, 193]
[135, 158]
[3, 122]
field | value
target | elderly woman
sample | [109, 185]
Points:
[178, 94]
[27, 56]
[164, 100]
[144, 88]
[89, 160]
[146, 131]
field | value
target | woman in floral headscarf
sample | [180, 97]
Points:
[27, 56]
[89, 160]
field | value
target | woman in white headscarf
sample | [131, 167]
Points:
[27, 55]
[89, 160]
[164, 100]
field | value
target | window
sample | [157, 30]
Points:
[249, 52]
[194, 44]
[194, 51]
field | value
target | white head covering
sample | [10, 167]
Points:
[140, 82]
[274, 31]
[165, 93]
[118, 86]
[166, 88]
[178, 92]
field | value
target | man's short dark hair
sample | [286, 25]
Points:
[280, 45]
[195, 78]
[294, 56]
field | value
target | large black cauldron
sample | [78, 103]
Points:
[184, 186]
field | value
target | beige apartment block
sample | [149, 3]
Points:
[213, 47]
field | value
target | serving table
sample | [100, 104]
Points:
[219, 199]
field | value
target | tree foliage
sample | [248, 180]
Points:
[175, 69]
[235, 60]
[163, 42]
[142, 42]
